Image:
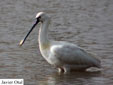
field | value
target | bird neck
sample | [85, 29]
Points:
[43, 34]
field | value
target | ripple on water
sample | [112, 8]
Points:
[87, 23]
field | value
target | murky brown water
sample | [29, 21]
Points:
[88, 23]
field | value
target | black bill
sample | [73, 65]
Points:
[23, 40]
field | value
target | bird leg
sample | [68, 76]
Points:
[66, 70]
[60, 70]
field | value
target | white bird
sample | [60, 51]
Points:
[63, 55]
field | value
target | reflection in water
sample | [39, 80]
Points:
[82, 78]
[88, 23]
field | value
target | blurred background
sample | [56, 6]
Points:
[87, 23]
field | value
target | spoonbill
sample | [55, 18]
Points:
[63, 55]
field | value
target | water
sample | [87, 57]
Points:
[88, 23]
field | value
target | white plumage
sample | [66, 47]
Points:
[63, 55]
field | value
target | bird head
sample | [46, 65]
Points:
[40, 17]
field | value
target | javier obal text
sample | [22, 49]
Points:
[11, 82]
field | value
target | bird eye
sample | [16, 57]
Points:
[39, 17]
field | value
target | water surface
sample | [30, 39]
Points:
[87, 23]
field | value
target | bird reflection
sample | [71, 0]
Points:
[81, 78]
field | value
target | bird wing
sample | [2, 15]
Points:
[71, 54]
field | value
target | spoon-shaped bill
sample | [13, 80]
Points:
[23, 40]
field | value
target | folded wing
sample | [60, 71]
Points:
[70, 54]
